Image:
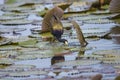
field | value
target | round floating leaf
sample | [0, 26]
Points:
[99, 21]
[7, 69]
[10, 30]
[23, 49]
[28, 43]
[16, 22]
[10, 54]
[15, 14]
[101, 13]
[27, 73]
[16, 9]
[95, 32]
[6, 79]
[3, 18]
[90, 17]
[109, 56]
[21, 66]
[105, 52]
[77, 63]
[26, 57]
[9, 48]
[22, 40]
[6, 61]
[36, 30]
[4, 41]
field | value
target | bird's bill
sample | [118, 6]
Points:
[66, 42]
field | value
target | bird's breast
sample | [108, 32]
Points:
[58, 27]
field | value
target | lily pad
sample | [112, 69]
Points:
[109, 56]
[23, 40]
[4, 41]
[39, 52]
[91, 17]
[11, 54]
[3, 18]
[35, 54]
[6, 79]
[15, 14]
[26, 57]
[112, 62]
[36, 30]
[9, 48]
[101, 12]
[79, 6]
[77, 63]
[27, 73]
[16, 22]
[8, 30]
[21, 66]
[16, 9]
[107, 52]
[6, 61]
[28, 43]
[99, 21]
[28, 49]
[11, 69]
[96, 32]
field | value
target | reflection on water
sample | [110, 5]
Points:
[57, 59]
[116, 39]
[115, 31]
[81, 53]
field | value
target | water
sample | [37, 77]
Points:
[46, 63]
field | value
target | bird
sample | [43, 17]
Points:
[52, 23]
[57, 30]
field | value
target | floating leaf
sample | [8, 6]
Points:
[77, 63]
[6, 79]
[3, 18]
[36, 30]
[28, 43]
[107, 52]
[4, 41]
[11, 30]
[99, 21]
[26, 57]
[6, 61]
[15, 14]
[9, 48]
[23, 49]
[16, 9]
[27, 73]
[16, 22]
[21, 66]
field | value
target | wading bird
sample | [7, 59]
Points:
[52, 23]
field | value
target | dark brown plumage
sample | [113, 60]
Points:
[49, 19]
[52, 23]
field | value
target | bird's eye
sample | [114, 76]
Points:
[55, 17]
